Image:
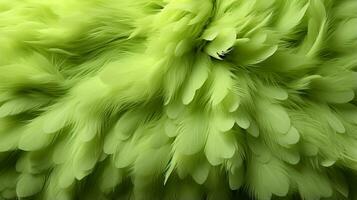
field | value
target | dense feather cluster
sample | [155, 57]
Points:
[178, 99]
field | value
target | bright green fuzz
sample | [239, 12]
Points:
[178, 99]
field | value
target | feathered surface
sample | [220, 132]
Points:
[178, 99]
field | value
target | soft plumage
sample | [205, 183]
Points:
[178, 99]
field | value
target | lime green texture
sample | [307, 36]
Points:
[178, 99]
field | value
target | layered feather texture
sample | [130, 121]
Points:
[178, 99]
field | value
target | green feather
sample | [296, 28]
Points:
[219, 146]
[198, 77]
[267, 179]
[29, 185]
[193, 134]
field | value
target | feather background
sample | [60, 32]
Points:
[178, 99]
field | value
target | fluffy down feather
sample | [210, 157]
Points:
[178, 99]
